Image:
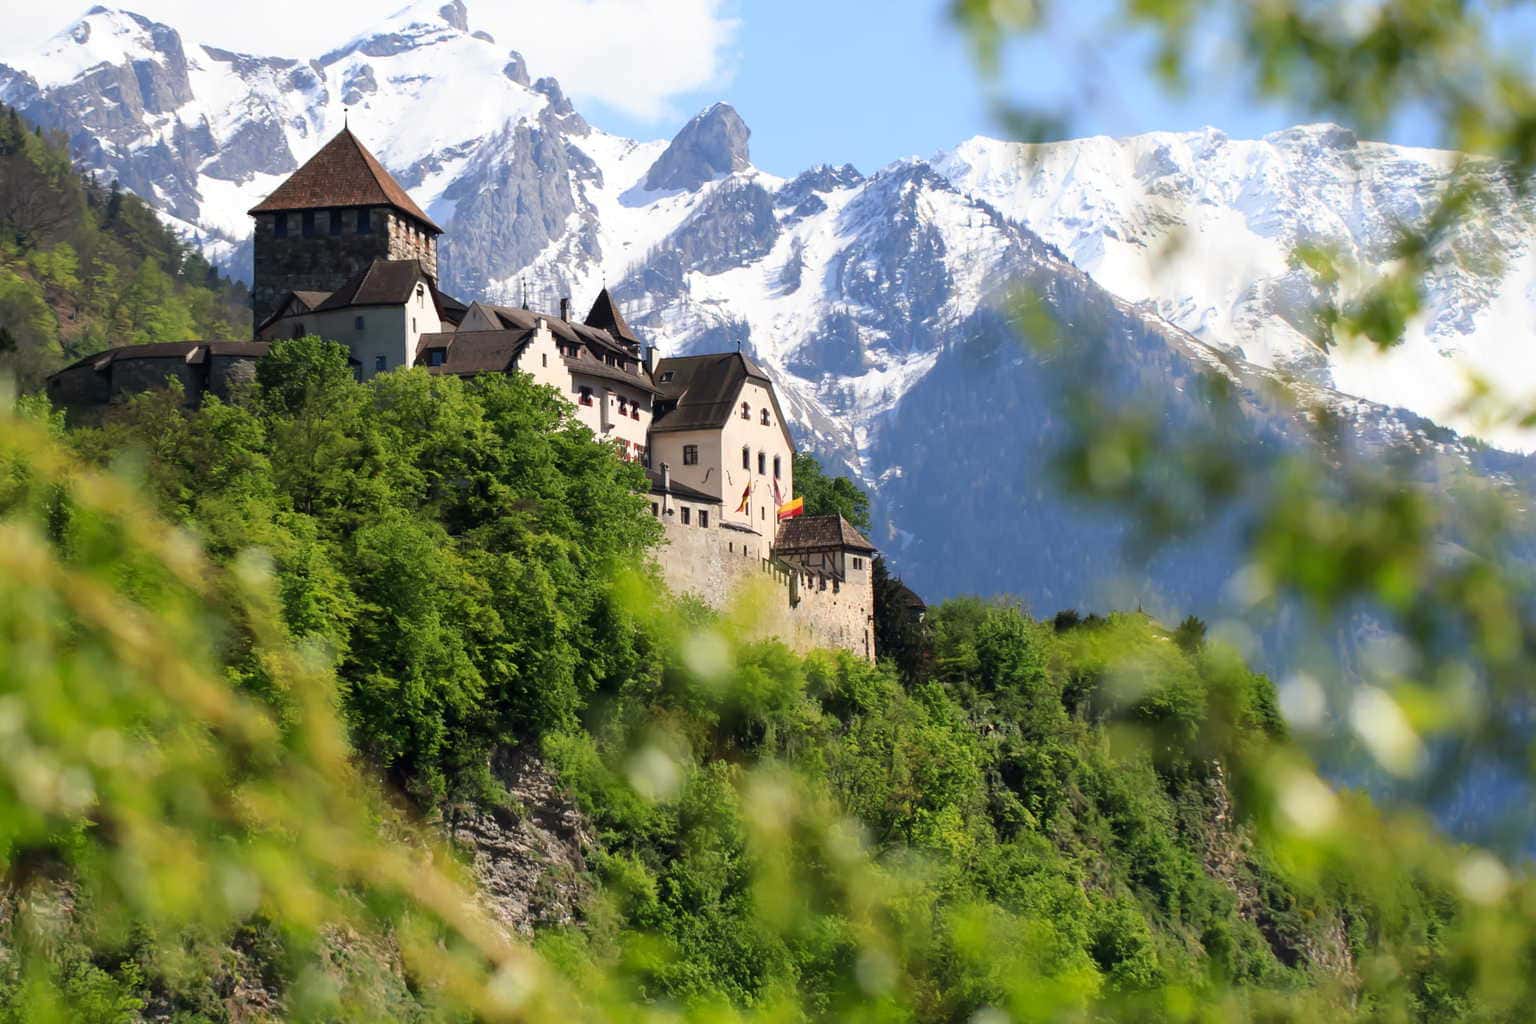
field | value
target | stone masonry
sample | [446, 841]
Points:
[320, 250]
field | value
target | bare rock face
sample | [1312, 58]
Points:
[710, 146]
[529, 863]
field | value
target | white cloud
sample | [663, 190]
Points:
[636, 56]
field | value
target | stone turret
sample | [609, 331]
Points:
[329, 221]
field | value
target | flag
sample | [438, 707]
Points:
[790, 509]
[778, 495]
[746, 496]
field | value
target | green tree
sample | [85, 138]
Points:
[829, 495]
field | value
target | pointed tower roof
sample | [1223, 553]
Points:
[343, 173]
[605, 316]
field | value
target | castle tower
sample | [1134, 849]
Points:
[329, 221]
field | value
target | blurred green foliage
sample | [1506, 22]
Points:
[247, 649]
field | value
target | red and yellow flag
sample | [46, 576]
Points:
[790, 509]
[746, 497]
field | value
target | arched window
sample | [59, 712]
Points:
[746, 458]
[746, 411]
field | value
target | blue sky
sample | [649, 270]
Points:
[866, 83]
[834, 81]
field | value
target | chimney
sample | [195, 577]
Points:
[650, 360]
[565, 308]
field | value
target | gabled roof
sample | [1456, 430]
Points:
[817, 533]
[343, 173]
[381, 283]
[192, 352]
[470, 352]
[605, 316]
[699, 392]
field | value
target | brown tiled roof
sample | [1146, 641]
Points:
[470, 352]
[343, 173]
[193, 352]
[381, 283]
[813, 533]
[605, 315]
[593, 368]
[594, 338]
[700, 393]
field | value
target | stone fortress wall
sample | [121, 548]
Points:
[805, 610]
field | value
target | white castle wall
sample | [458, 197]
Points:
[723, 568]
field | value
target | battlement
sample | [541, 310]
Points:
[806, 608]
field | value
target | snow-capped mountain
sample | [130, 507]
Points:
[878, 301]
[1205, 229]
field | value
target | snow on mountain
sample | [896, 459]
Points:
[1205, 228]
[878, 301]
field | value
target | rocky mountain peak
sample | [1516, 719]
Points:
[710, 146]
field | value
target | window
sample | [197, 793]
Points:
[435, 357]
[586, 396]
[762, 463]
[357, 323]
[623, 407]
[544, 359]
[685, 515]
[298, 330]
[704, 518]
[775, 467]
[746, 411]
[764, 510]
[746, 459]
[666, 377]
[421, 292]
[364, 222]
[765, 417]
[690, 455]
[413, 325]
[821, 583]
[858, 563]
[308, 217]
[655, 510]
[634, 411]
[380, 364]
[280, 226]
[333, 218]
[835, 587]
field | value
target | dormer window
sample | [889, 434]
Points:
[666, 377]
[746, 411]
[435, 357]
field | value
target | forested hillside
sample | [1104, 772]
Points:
[258, 659]
[85, 266]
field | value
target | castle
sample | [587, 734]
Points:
[342, 251]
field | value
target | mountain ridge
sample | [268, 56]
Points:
[882, 302]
